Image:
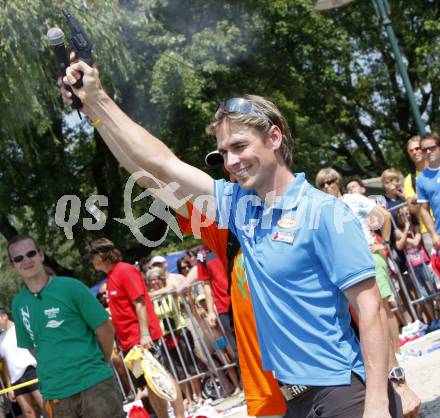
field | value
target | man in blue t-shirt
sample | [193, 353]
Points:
[304, 251]
[428, 187]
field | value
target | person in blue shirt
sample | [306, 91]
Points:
[428, 187]
[305, 255]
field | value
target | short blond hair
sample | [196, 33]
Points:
[328, 174]
[261, 124]
[390, 174]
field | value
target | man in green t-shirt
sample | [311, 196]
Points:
[69, 333]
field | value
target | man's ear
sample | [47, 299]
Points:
[274, 138]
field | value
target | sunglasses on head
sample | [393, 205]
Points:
[101, 250]
[20, 258]
[239, 105]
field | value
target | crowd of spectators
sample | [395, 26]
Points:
[184, 318]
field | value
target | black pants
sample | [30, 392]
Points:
[338, 402]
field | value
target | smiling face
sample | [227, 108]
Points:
[248, 156]
[431, 151]
[31, 264]
[415, 152]
[331, 186]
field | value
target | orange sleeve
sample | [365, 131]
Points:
[214, 238]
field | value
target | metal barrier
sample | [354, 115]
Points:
[393, 257]
[131, 395]
[184, 362]
[5, 400]
[193, 338]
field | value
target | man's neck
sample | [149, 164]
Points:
[9, 324]
[275, 189]
[420, 166]
[36, 283]
[108, 267]
[434, 166]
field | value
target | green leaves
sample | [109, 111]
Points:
[169, 63]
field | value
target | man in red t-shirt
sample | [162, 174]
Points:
[210, 270]
[132, 313]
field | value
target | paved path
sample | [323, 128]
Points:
[422, 372]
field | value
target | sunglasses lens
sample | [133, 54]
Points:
[20, 258]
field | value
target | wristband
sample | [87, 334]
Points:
[95, 122]
[145, 334]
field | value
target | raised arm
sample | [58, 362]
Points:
[383, 214]
[129, 141]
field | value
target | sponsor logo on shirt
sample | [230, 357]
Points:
[113, 293]
[287, 223]
[282, 236]
[25, 316]
[239, 274]
[52, 312]
[54, 324]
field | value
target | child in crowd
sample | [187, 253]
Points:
[409, 240]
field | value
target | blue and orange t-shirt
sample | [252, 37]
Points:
[262, 392]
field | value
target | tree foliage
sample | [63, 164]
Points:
[168, 63]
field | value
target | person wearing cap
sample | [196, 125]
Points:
[132, 313]
[173, 281]
[70, 334]
[305, 255]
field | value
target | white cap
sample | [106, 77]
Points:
[157, 259]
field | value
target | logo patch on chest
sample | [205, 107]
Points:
[282, 236]
[54, 324]
[287, 223]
